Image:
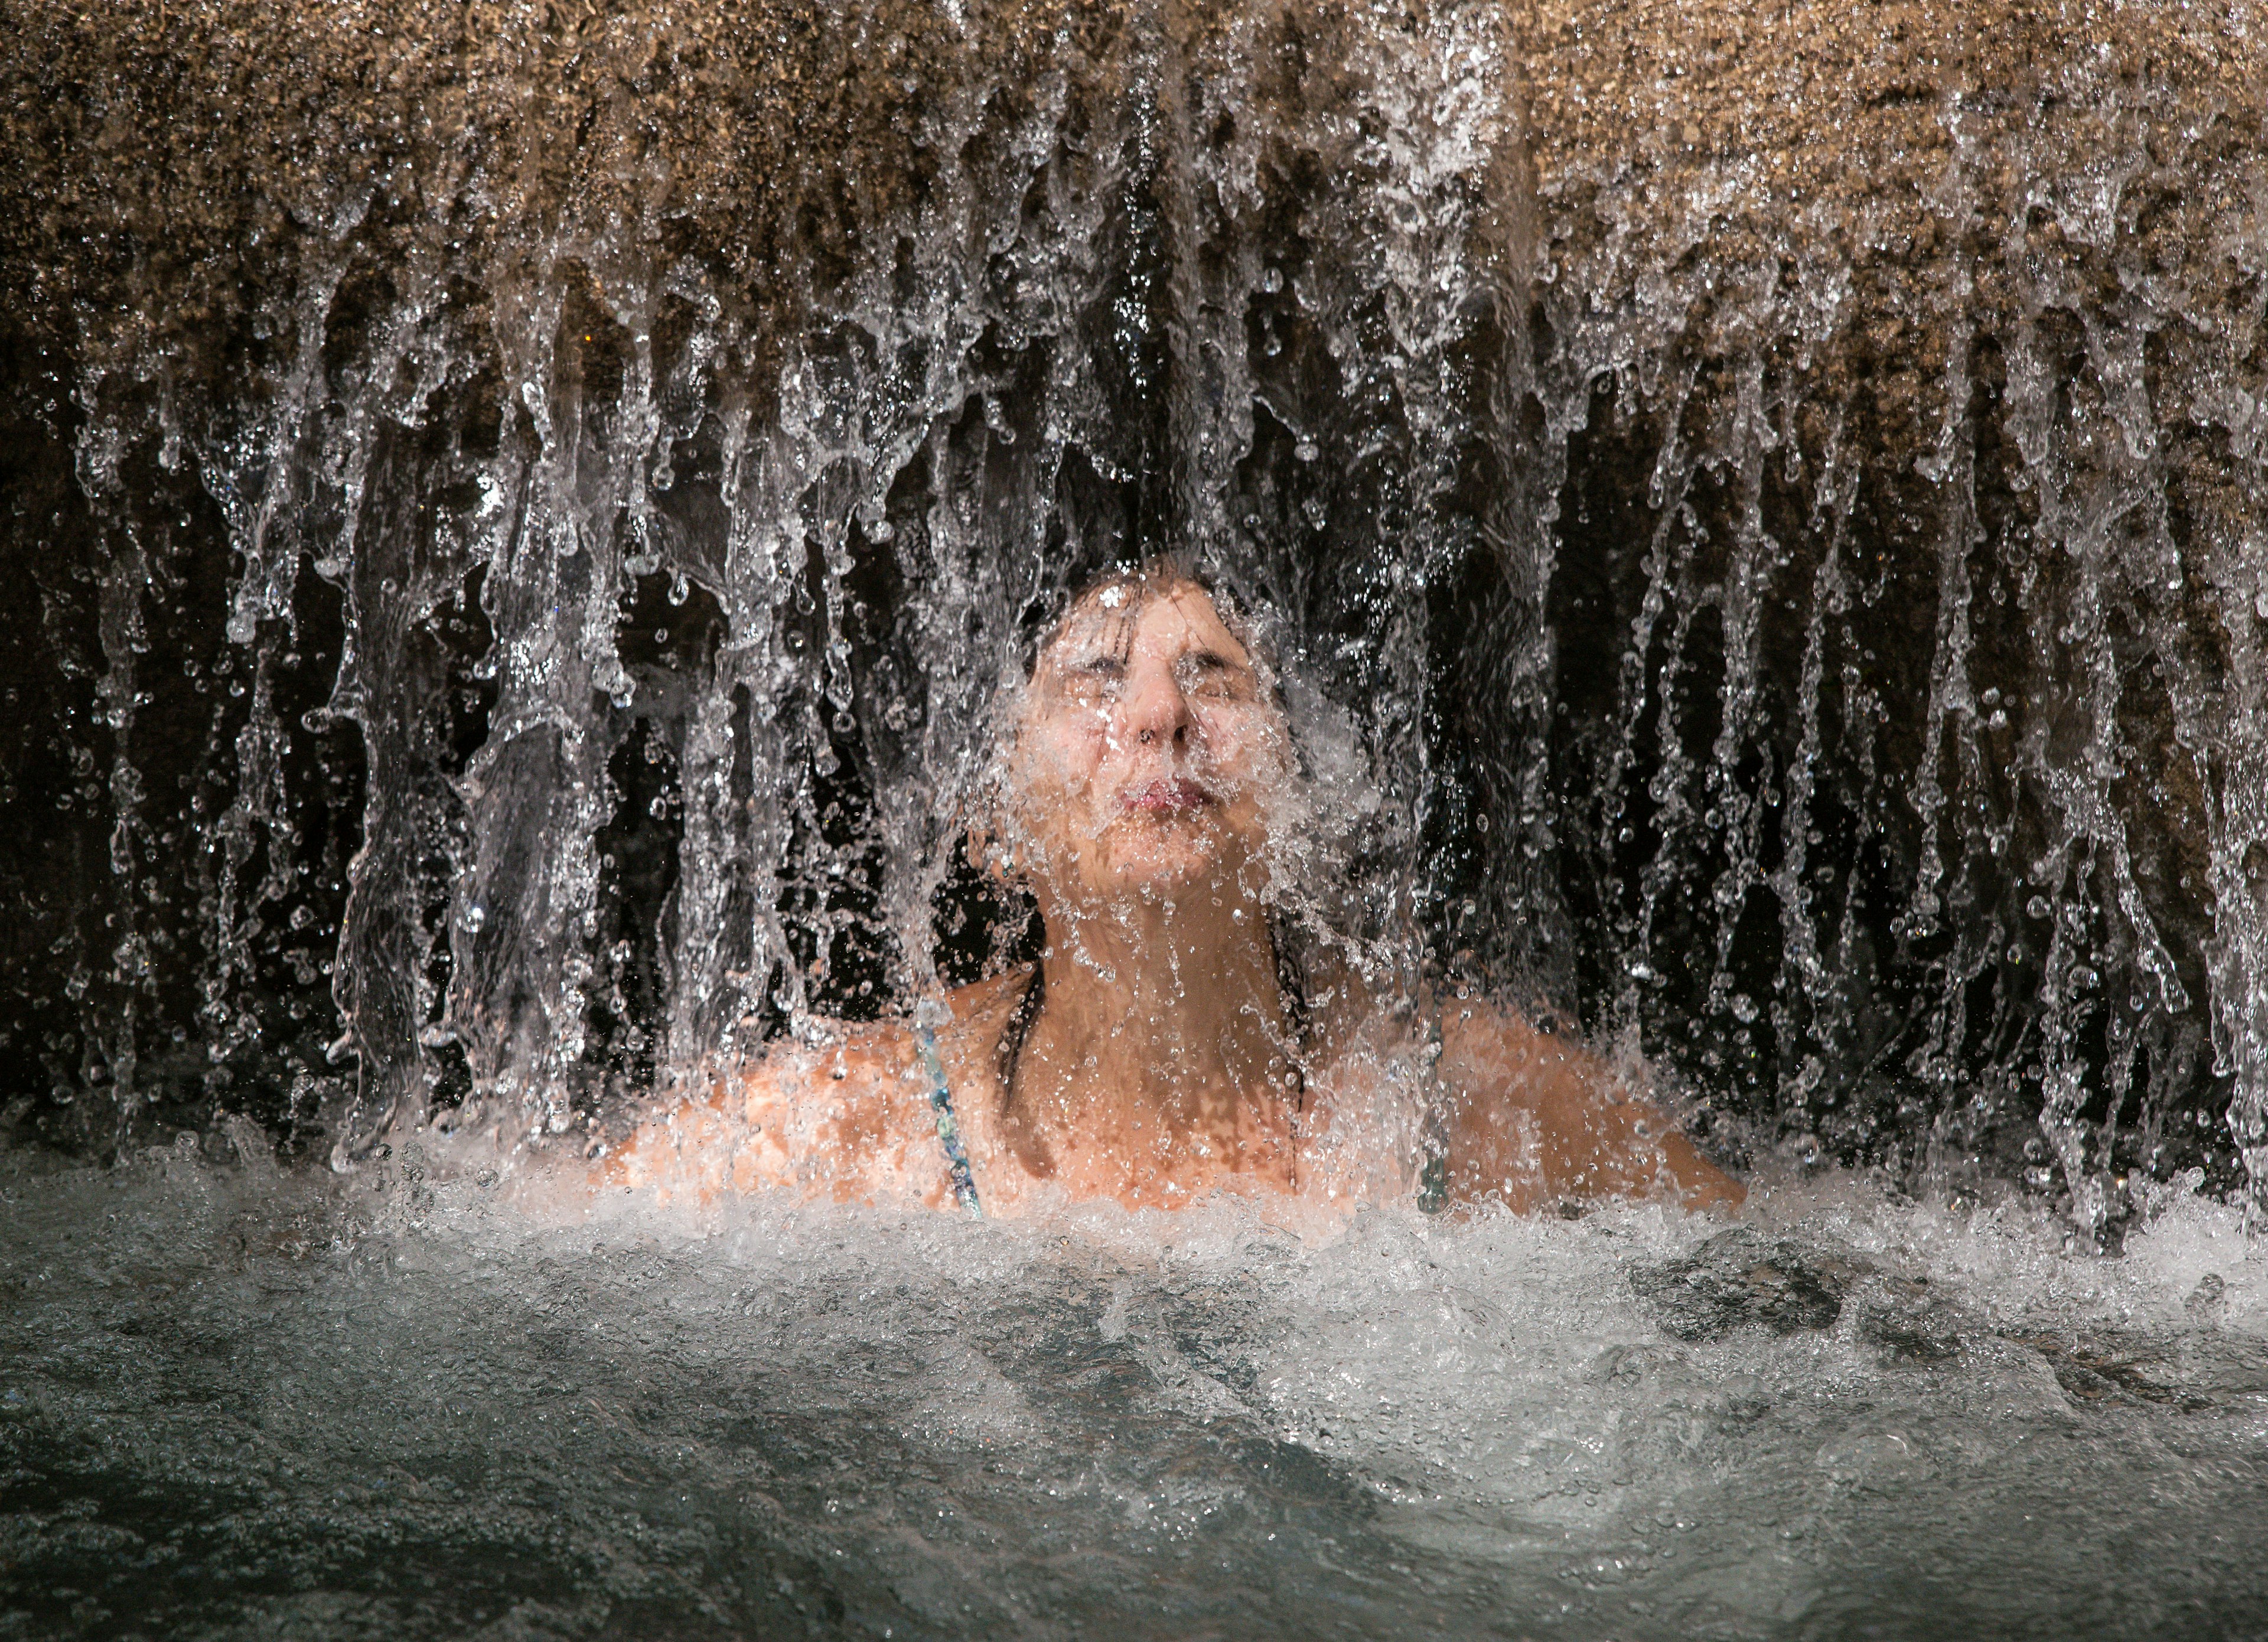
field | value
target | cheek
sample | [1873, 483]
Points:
[1244, 746]
[1054, 769]
[1065, 752]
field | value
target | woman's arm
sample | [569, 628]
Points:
[1535, 1118]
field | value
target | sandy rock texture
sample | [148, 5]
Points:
[1977, 291]
[1863, 190]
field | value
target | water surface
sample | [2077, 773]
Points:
[438, 1403]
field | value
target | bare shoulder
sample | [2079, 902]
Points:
[1537, 1116]
[844, 1114]
[860, 1082]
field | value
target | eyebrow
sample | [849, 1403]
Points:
[1212, 661]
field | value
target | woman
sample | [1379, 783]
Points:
[1156, 1054]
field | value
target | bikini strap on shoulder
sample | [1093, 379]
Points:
[940, 1102]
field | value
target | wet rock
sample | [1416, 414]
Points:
[1737, 1279]
[1881, 324]
[2187, 1372]
[1905, 1321]
[1893, 194]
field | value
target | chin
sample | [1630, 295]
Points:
[1162, 873]
[1172, 865]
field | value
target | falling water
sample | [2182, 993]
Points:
[522, 514]
[530, 510]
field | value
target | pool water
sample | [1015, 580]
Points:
[236, 1402]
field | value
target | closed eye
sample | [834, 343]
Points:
[1209, 672]
[1096, 676]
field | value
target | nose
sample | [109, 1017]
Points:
[1156, 711]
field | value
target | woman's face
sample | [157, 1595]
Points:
[1149, 753]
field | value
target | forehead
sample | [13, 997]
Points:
[1125, 617]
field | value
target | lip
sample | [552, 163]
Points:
[1169, 795]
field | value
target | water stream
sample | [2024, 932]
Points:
[523, 516]
[523, 583]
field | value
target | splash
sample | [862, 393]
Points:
[402, 1399]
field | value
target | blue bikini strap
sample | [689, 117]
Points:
[940, 1102]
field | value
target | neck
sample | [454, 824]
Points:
[1159, 1018]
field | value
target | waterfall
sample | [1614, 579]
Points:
[529, 510]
